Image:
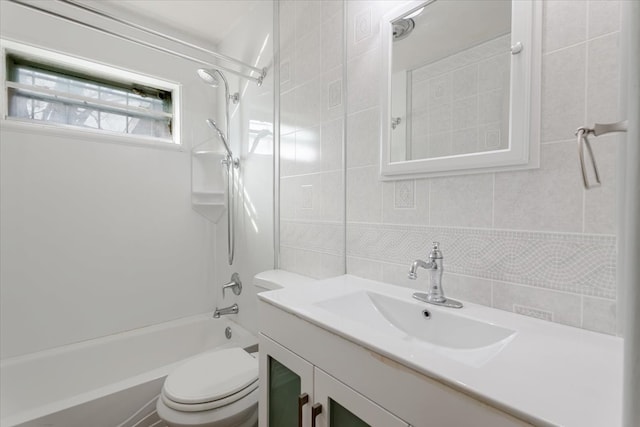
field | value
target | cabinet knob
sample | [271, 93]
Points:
[516, 48]
[303, 399]
[316, 410]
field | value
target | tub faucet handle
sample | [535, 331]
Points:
[235, 284]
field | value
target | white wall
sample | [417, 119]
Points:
[251, 42]
[532, 242]
[97, 237]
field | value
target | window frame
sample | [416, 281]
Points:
[99, 71]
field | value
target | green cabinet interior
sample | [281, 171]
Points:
[284, 388]
[341, 417]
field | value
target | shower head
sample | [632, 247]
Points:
[402, 28]
[215, 127]
[209, 76]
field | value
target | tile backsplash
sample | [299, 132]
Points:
[532, 242]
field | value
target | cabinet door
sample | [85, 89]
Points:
[285, 378]
[344, 407]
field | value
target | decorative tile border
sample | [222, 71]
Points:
[575, 263]
[533, 312]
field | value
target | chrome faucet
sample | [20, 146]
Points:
[234, 309]
[435, 294]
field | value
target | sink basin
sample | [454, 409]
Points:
[419, 322]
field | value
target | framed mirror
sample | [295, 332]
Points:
[463, 83]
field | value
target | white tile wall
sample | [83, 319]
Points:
[331, 144]
[363, 81]
[405, 202]
[464, 201]
[364, 194]
[312, 128]
[531, 242]
[563, 92]
[549, 198]
[564, 24]
[363, 129]
[332, 96]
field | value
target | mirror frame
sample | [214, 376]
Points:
[524, 104]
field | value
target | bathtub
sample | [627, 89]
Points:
[103, 382]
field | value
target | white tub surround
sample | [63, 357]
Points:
[105, 380]
[539, 372]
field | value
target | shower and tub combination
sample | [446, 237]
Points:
[116, 380]
[213, 77]
[112, 381]
[230, 163]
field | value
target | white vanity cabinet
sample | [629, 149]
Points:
[294, 393]
[298, 356]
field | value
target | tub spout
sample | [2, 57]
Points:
[234, 309]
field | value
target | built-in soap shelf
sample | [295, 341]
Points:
[210, 204]
[205, 153]
[208, 195]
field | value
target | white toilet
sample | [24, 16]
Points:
[219, 388]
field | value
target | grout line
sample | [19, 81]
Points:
[550, 52]
[349, 113]
[493, 201]
[587, 14]
[373, 165]
[429, 203]
[558, 141]
[423, 227]
[492, 292]
[364, 110]
[345, 111]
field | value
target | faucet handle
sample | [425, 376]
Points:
[435, 251]
[235, 284]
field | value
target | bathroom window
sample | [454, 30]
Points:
[42, 91]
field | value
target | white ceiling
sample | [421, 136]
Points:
[208, 21]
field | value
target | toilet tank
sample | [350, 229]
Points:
[278, 279]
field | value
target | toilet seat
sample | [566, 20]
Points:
[191, 387]
[214, 404]
[243, 413]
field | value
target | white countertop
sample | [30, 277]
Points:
[547, 374]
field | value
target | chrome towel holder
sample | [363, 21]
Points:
[582, 133]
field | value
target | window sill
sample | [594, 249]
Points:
[23, 126]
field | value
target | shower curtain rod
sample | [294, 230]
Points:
[258, 80]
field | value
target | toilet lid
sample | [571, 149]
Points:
[211, 376]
